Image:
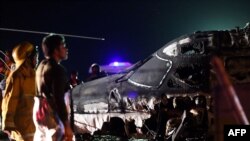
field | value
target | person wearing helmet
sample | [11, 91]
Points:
[52, 84]
[18, 101]
[95, 72]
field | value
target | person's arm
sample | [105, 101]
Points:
[58, 86]
[10, 102]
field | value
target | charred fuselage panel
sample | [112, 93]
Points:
[180, 67]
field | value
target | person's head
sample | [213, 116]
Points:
[54, 46]
[95, 68]
[25, 52]
[74, 75]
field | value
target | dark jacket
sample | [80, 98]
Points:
[51, 80]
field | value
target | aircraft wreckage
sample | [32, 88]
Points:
[181, 67]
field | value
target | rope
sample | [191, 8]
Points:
[39, 32]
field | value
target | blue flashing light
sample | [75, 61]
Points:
[119, 64]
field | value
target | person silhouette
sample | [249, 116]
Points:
[95, 72]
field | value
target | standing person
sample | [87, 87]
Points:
[74, 81]
[8, 66]
[52, 83]
[18, 101]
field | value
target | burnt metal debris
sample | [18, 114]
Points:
[180, 67]
[182, 71]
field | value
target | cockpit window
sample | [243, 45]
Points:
[151, 74]
[171, 50]
[192, 48]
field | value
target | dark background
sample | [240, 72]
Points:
[133, 29]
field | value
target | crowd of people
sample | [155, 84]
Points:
[32, 96]
[32, 103]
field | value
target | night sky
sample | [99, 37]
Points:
[133, 29]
